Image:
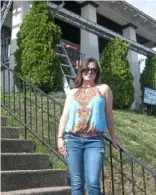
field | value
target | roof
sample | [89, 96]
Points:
[123, 13]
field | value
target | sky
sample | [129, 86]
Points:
[148, 7]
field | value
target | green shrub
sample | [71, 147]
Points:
[148, 78]
[35, 57]
[117, 74]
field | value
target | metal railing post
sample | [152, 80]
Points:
[25, 111]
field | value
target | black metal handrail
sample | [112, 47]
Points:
[39, 113]
[5, 50]
[16, 97]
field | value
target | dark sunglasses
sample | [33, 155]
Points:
[87, 69]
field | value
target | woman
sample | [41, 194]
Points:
[86, 116]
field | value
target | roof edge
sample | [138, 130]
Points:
[139, 11]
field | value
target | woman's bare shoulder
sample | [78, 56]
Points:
[74, 90]
[70, 94]
[104, 88]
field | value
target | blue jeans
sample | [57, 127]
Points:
[85, 155]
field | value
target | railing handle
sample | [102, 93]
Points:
[25, 111]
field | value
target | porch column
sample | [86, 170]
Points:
[130, 32]
[20, 9]
[89, 41]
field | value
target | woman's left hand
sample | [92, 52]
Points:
[116, 144]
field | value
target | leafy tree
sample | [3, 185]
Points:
[116, 73]
[148, 78]
[35, 57]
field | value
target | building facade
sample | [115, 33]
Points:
[117, 16]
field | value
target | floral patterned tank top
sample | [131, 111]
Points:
[87, 113]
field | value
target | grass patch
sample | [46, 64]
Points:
[137, 132]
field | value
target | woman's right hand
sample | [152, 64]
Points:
[62, 146]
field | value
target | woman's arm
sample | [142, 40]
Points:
[64, 117]
[109, 111]
[109, 115]
[63, 121]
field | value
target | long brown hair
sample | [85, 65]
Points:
[79, 79]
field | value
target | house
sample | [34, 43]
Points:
[117, 17]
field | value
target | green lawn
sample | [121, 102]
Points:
[136, 132]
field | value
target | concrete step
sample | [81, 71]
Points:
[24, 161]
[3, 120]
[10, 132]
[59, 190]
[17, 146]
[25, 179]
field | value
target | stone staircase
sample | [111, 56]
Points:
[25, 172]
